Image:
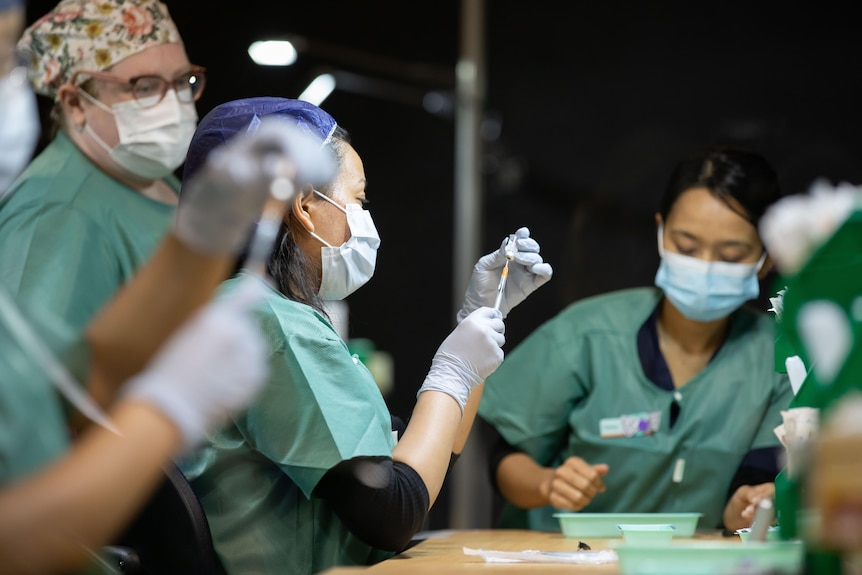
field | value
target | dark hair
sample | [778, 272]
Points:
[729, 174]
[294, 274]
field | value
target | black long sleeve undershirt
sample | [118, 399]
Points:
[382, 502]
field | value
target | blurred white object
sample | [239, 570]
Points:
[213, 366]
[272, 52]
[846, 416]
[798, 431]
[382, 368]
[825, 331]
[796, 372]
[763, 518]
[795, 226]
[19, 125]
[229, 194]
[536, 556]
[777, 303]
[318, 89]
[338, 313]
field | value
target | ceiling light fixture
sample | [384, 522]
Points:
[272, 53]
[319, 89]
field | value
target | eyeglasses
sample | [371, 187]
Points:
[148, 91]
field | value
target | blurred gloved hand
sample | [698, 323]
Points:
[470, 354]
[221, 202]
[527, 273]
[212, 367]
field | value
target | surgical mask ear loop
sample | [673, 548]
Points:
[90, 98]
[331, 201]
[85, 127]
[320, 239]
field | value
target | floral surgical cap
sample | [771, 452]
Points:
[92, 35]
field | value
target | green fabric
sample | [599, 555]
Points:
[70, 235]
[583, 365]
[255, 477]
[33, 429]
[832, 274]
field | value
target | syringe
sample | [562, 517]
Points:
[281, 190]
[510, 250]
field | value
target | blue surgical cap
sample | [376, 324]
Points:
[243, 116]
[9, 4]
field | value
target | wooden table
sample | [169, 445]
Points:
[442, 552]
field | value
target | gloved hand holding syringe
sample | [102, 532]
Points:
[505, 277]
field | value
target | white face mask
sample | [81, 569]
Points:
[153, 141]
[19, 125]
[348, 267]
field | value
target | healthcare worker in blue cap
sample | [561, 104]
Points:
[659, 399]
[310, 476]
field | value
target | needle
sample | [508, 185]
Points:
[510, 255]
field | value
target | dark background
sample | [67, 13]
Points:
[589, 105]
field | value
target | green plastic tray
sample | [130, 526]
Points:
[694, 557]
[604, 525]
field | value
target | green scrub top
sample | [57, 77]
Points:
[33, 427]
[70, 235]
[33, 430]
[574, 387]
[255, 477]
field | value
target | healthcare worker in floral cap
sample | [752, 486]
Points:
[654, 399]
[171, 361]
[89, 209]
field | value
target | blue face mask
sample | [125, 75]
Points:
[706, 291]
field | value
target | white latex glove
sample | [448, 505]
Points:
[470, 354]
[219, 205]
[527, 273]
[212, 367]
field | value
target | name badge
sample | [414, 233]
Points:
[632, 425]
